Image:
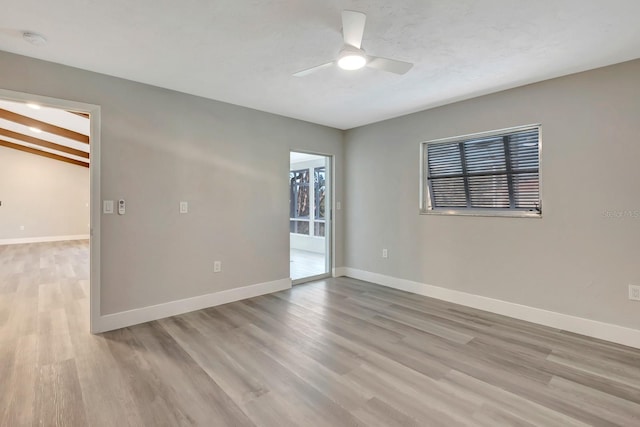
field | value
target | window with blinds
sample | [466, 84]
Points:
[489, 173]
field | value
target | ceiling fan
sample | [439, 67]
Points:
[352, 56]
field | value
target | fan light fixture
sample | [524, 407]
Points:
[352, 60]
[352, 56]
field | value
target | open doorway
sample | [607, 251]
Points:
[49, 215]
[309, 216]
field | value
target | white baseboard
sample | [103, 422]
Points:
[339, 271]
[123, 319]
[24, 240]
[592, 328]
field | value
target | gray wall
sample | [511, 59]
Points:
[578, 259]
[47, 197]
[159, 147]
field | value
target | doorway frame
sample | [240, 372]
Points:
[95, 210]
[330, 236]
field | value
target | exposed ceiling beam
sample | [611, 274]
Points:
[43, 143]
[43, 126]
[85, 115]
[42, 153]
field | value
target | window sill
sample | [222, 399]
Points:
[507, 213]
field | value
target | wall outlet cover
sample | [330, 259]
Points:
[634, 292]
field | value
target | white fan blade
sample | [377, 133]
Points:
[353, 27]
[391, 65]
[313, 69]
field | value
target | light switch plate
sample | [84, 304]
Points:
[107, 206]
[184, 207]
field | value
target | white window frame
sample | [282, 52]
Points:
[426, 207]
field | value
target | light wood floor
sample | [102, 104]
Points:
[334, 353]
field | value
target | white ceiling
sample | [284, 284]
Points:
[244, 52]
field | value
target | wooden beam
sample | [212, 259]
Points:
[43, 126]
[85, 115]
[42, 153]
[43, 143]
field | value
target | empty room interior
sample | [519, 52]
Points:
[340, 213]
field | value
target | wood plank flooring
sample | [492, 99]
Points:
[339, 352]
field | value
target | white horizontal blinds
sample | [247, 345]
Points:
[497, 171]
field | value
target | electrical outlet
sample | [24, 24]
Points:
[385, 253]
[217, 266]
[22, 228]
[634, 292]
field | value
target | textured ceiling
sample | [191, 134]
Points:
[244, 52]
